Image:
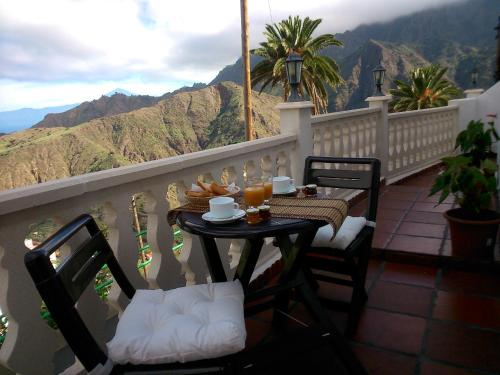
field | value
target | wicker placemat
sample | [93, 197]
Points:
[333, 211]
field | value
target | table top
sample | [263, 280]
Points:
[193, 223]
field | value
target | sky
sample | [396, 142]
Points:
[56, 52]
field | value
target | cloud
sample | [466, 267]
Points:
[61, 43]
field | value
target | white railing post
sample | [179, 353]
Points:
[473, 93]
[382, 152]
[295, 118]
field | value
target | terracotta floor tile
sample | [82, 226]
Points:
[431, 207]
[466, 308]
[424, 197]
[391, 331]
[421, 229]
[405, 188]
[384, 225]
[401, 195]
[381, 239]
[409, 274]
[381, 362]
[390, 213]
[335, 292]
[394, 203]
[415, 244]
[256, 331]
[374, 269]
[468, 347]
[425, 217]
[468, 282]
[433, 368]
[401, 298]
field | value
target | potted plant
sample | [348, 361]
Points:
[476, 142]
[473, 226]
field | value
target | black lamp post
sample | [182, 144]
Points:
[293, 73]
[378, 78]
[474, 76]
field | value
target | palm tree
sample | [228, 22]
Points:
[427, 89]
[295, 35]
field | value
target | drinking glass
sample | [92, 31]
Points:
[254, 193]
[268, 188]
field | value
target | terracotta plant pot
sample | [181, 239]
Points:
[472, 238]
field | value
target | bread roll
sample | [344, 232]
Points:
[217, 189]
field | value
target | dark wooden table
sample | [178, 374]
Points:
[293, 275]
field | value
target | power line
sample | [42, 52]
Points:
[270, 13]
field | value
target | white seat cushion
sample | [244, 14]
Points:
[180, 325]
[348, 231]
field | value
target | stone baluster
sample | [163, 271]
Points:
[27, 333]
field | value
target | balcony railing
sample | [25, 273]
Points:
[403, 142]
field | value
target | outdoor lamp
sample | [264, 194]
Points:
[474, 77]
[378, 78]
[293, 72]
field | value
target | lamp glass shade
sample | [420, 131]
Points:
[293, 68]
[379, 75]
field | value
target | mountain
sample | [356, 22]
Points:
[107, 106]
[458, 36]
[119, 91]
[104, 106]
[24, 118]
[182, 123]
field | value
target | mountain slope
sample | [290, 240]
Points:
[104, 106]
[458, 36]
[182, 123]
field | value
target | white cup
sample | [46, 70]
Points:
[223, 207]
[282, 184]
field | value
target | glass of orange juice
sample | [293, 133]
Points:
[254, 193]
[268, 188]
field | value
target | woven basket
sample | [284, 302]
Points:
[203, 201]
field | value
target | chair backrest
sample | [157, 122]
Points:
[342, 177]
[61, 287]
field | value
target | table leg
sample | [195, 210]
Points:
[248, 261]
[338, 341]
[292, 254]
[212, 257]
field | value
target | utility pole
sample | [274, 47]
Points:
[497, 73]
[247, 86]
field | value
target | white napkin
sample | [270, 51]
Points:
[232, 188]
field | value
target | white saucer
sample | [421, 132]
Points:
[292, 189]
[238, 215]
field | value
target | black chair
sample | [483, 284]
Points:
[61, 288]
[347, 173]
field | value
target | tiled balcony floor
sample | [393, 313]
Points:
[409, 224]
[418, 320]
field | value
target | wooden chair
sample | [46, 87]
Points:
[61, 288]
[353, 260]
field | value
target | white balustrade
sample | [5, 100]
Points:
[418, 139]
[30, 343]
[346, 134]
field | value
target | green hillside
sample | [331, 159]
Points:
[183, 123]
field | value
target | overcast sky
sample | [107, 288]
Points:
[55, 52]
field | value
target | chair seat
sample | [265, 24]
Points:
[180, 325]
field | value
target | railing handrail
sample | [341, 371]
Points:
[318, 119]
[422, 112]
[18, 199]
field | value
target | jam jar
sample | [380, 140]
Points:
[264, 212]
[310, 190]
[253, 216]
